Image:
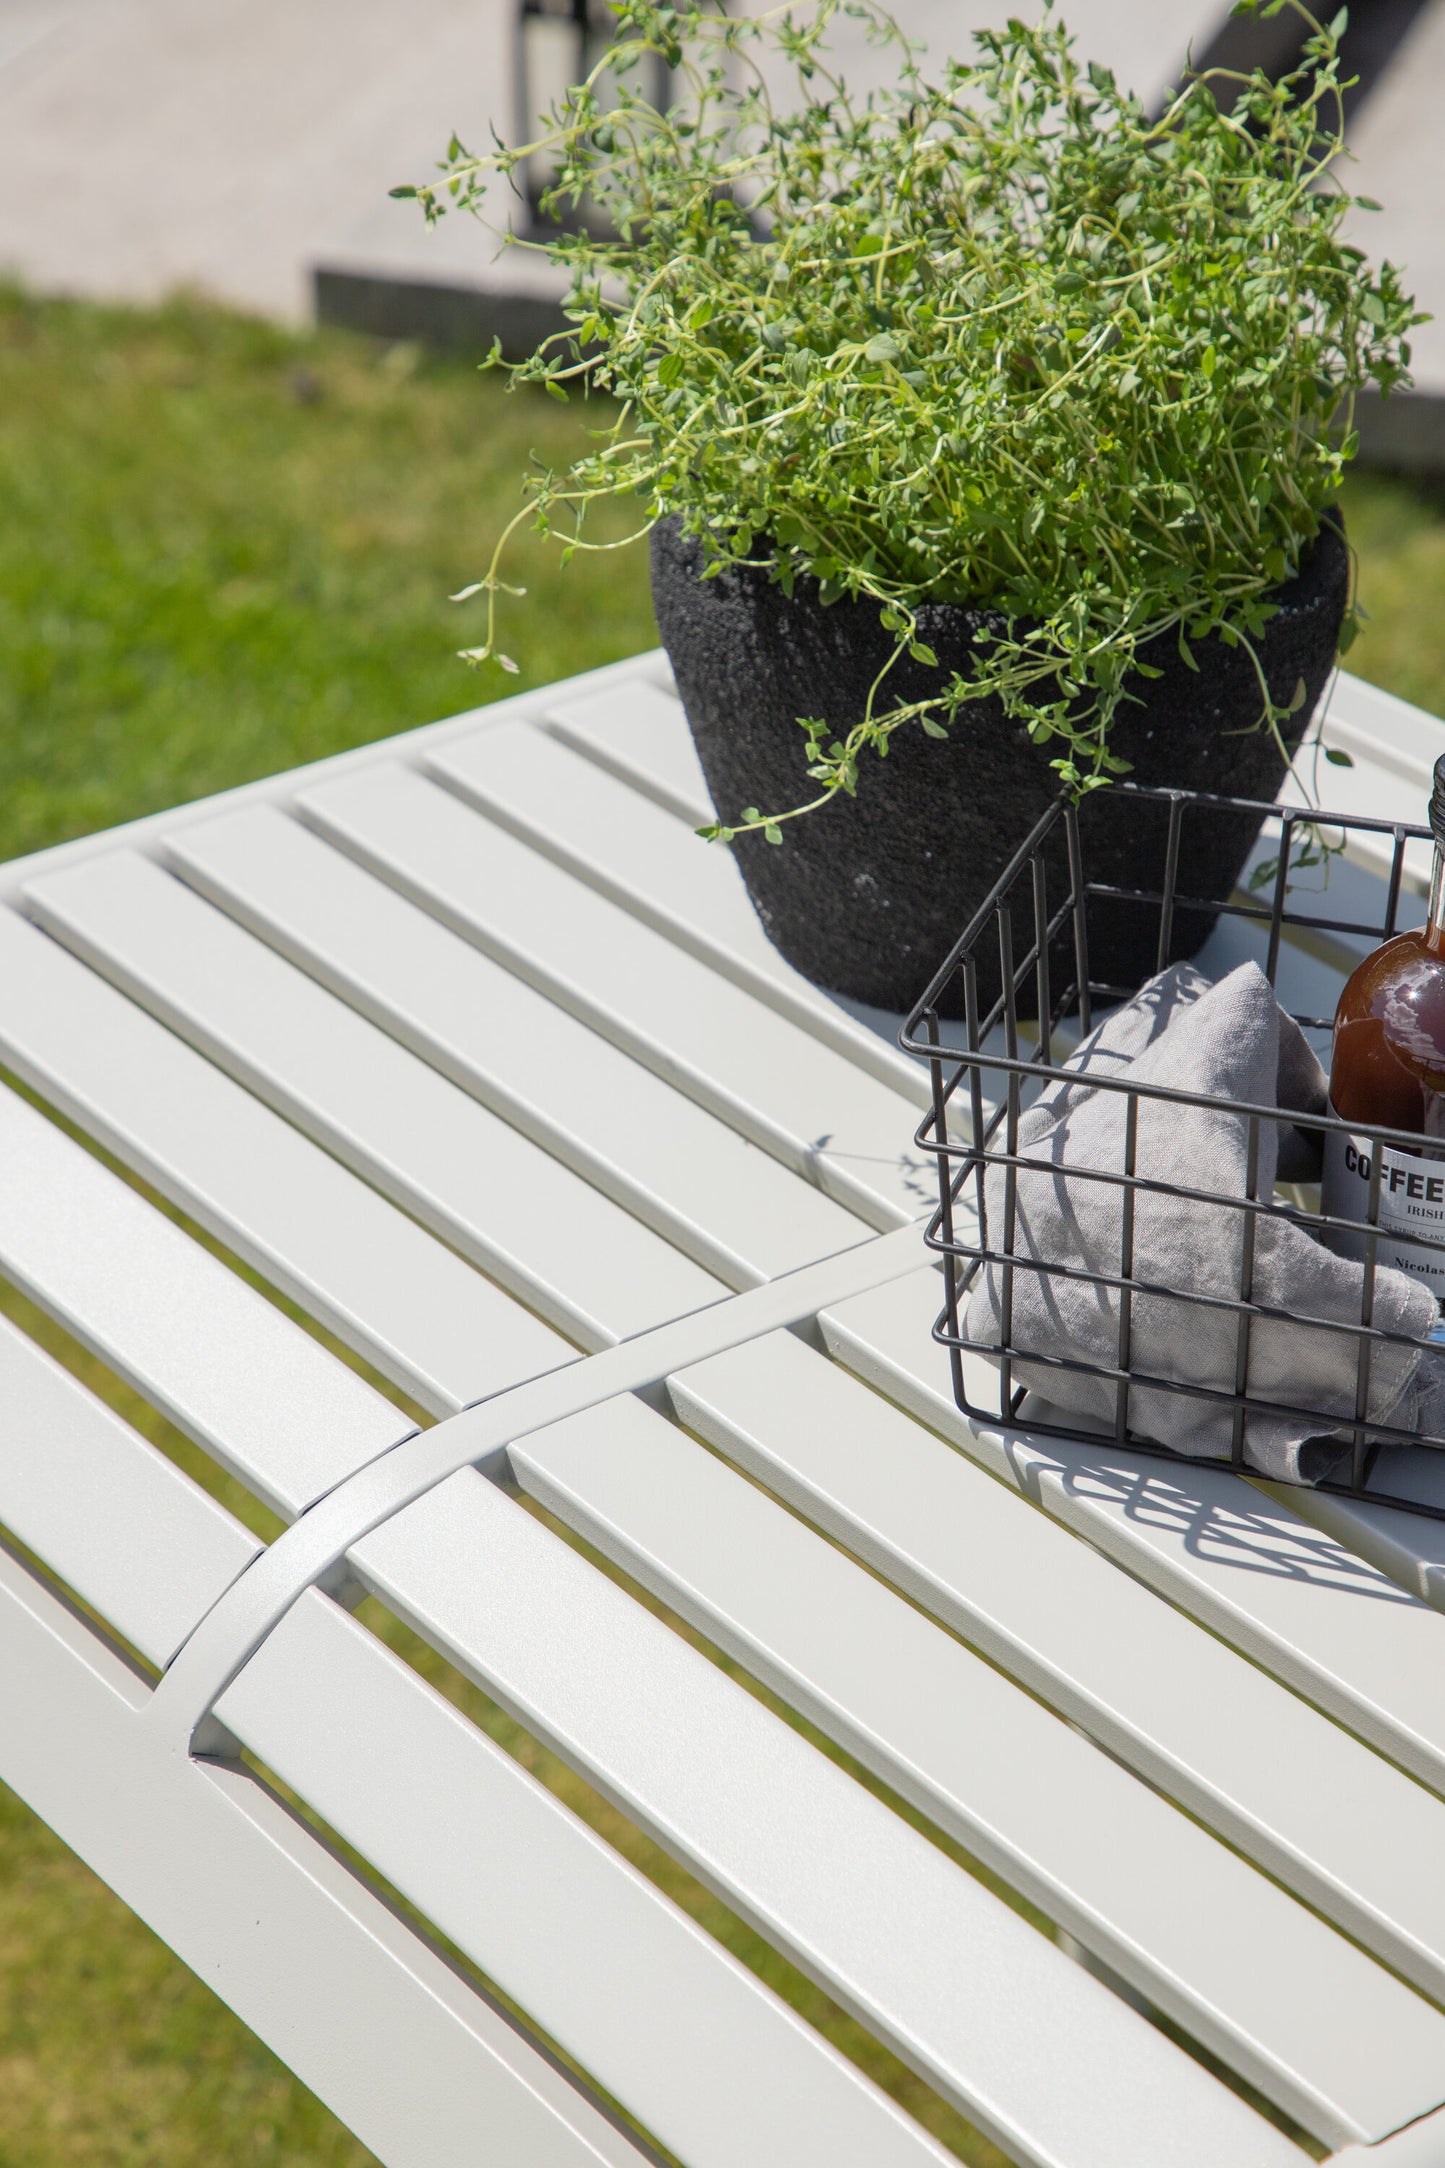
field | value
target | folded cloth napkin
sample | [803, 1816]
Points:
[1231, 1041]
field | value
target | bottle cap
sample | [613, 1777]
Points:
[1437, 803]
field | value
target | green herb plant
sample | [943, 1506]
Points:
[988, 336]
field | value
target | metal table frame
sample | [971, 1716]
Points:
[469, 1052]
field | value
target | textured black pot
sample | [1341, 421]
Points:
[867, 895]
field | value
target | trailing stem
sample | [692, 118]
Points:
[989, 336]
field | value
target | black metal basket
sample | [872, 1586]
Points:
[1024, 943]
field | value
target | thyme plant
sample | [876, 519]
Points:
[988, 336]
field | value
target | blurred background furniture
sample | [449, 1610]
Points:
[247, 148]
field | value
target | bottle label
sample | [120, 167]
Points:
[1412, 1205]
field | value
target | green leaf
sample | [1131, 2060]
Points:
[996, 348]
[1338, 757]
[772, 832]
[1298, 697]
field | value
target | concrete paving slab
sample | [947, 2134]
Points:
[1399, 147]
[146, 144]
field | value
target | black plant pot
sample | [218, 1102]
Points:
[867, 895]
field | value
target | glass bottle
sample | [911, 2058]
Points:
[1387, 1067]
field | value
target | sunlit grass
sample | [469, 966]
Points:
[226, 549]
[1398, 530]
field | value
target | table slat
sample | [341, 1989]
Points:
[730, 1052]
[1286, 2002]
[722, 1199]
[1277, 1779]
[1386, 731]
[602, 1961]
[226, 1366]
[117, 1521]
[1373, 790]
[372, 2018]
[1393, 747]
[642, 856]
[573, 1255]
[992, 2014]
[352, 1260]
[1290, 1595]
[638, 732]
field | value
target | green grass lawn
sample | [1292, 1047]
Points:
[224, 550]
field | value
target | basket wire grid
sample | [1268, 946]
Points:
[983, 1079]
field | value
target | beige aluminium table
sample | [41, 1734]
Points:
[469, 1050]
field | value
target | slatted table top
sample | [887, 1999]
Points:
[433, 1137]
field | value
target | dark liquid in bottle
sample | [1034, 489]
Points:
[1388, 1069]
[1388, 1065]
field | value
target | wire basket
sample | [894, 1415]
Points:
[1019, 983]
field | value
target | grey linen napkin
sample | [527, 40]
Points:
[1230, 1040]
